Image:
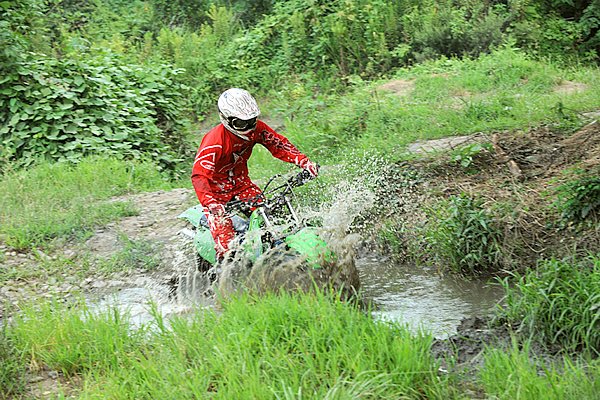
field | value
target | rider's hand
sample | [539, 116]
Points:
[311, 167]
[217, 209]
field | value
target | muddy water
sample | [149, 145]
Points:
[422, 298]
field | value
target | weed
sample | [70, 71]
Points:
[143, 254]
[12, 367]
[567, 119]
[74, 339]
[465, 155]
[557, 304]
[64, 200]
[263, 348]
[578, 200]
[516, 375]
[463, 234]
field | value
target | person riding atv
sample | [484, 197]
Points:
[220, 169]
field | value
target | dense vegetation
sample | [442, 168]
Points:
[89, 77]
[99, 98]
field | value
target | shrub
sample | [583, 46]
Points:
[463, 234]
[579, 199]
[64, 110]
[452, 28]
[557, 303]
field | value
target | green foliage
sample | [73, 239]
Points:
[75, 339]
[194, 14]
[12, 367]
[557, 304]
[204, 56]
[558, 28]
[54, 200]
[453, 28]
[280, 346]
[20, 27]
[465, 155]
[578, 199]
[463, 234]
[63, 110]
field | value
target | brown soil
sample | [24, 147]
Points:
[399, 87]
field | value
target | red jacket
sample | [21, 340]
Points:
[221, 164]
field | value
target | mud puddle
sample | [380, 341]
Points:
[422, 298]
[417, 297]
[180, 289]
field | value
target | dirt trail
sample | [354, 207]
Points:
[156, 224]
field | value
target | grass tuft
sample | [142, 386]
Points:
[515, 375]
[557, 304]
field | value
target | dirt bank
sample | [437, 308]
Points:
[515, 174]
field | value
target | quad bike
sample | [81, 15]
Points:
[267, 225]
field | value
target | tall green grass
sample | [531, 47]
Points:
[286, 346]
[515, 375]
[463, 235]
[52, 200]
[12, 368]
[75, 340]
[557, 304]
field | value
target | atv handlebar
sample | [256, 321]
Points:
[261, 200]
[300, 179]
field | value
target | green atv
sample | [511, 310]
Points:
[265, 224]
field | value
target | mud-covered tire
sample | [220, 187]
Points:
[201, 264]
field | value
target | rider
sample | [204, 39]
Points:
[220, 171]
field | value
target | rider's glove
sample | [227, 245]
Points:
[311, 167]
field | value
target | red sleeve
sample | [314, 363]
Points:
[204, 169]
[279, 145]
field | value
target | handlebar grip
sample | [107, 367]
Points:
[301, 178]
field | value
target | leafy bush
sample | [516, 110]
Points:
[557, 28]
[453, 28]
[206, 57]
[21, 25]
[463, 234]
[579, 199]
[557, 303]
[64, 110]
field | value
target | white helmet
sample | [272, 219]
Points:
[238, 111]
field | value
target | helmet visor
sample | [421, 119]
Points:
[242, 124]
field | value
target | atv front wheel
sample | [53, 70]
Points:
[201, 264]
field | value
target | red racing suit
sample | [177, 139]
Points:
[220, 173]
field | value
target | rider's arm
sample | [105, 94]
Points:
[203, 171]
[281, 148]
[278, 144]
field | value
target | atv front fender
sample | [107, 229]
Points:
[308, 243]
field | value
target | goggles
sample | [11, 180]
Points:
[242, 124]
